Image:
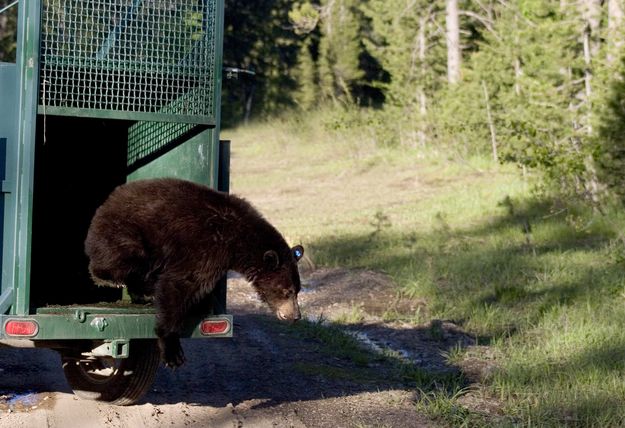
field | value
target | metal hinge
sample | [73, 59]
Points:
[7, 186]
[114, 348]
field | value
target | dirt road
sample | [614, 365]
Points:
[268, 375]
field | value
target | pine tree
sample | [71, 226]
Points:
[609, 104]
[340, 49]
[306, 95]
[257, 36]
[609, 151]
[406, 40]
[532, 65]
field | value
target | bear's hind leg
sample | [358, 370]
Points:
[114, 258]
[105, 278]
[128, 273]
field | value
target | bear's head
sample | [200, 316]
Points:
[278, 282]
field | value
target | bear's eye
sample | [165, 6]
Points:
[298, 252]
[287, 293]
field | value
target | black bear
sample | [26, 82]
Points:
[172, 240]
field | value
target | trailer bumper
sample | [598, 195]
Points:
[103, 323]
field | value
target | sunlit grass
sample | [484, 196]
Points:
[539, 280]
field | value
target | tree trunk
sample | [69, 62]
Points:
[518, 70]
[517, 76]
[591, 13]
[4, 20]
[592, 17]
[326, 76]
[491, 125]
[615, 30]
[421, 97]
[248, 104]
[587, 69]
[454, 58]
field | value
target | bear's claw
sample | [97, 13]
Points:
[171, 352]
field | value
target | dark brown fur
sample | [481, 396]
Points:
[172, 240]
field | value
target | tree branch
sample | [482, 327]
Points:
[486, 22]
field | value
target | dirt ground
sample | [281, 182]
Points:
[265, 376]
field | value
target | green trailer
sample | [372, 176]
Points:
[102, 92]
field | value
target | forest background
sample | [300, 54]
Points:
[533, 82]
[536, 83]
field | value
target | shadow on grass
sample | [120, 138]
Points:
[583, 388]
[502, 277]
[513, 269]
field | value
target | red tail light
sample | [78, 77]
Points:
[212, 327]
[26, 328]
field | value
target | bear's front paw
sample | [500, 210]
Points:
[171, 352]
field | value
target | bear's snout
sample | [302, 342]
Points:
[288, 310]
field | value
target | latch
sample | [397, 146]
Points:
[233, 72]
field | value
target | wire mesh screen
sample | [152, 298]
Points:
[146, 140]
[139, 57]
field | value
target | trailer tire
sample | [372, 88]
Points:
[121, 381]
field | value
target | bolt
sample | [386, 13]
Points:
[100, 323]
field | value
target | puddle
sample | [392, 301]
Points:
[382, 349]
[307, 289]
[309, 286]
[20, 402]
[28, 399]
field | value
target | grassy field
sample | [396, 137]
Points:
[540, 282]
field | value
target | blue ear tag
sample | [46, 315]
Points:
[298, 253]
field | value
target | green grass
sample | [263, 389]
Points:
[540, 281]
[443, 407]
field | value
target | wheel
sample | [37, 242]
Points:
[121, 381]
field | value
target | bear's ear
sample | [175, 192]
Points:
[298, 252]
[271, 260]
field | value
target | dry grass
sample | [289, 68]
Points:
[311, 190]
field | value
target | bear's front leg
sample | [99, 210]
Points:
[171, 350]
[171, 310]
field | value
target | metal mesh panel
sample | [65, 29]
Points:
[132, 56]
[148, 138]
